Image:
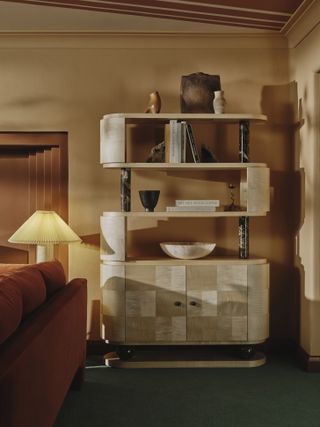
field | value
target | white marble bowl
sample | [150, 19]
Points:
[187, 250]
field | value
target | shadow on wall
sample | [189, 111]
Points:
[94, 323]
[288, 287]
[91, 240]
[308, 125]
[279, 150]
[94, 333]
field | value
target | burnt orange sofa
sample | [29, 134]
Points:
[42, 342]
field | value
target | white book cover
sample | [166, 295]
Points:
[178, 144]
[190, 208]
[172, 139]
[183, 142]
[196, 202]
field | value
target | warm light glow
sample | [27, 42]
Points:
[43, 228]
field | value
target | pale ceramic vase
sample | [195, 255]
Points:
[219, 102]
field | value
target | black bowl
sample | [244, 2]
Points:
[149, 199]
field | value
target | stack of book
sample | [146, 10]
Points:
[175, 142]
[194, 206]
[177, 136]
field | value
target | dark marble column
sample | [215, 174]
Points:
[125, 190]
[244, 237]
[244, 158]
[244, 141]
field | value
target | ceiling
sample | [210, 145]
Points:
[271, 15]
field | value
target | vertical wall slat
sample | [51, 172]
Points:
[40, 180]
[47, 179]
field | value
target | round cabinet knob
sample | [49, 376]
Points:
[177, 303]
[193, 303]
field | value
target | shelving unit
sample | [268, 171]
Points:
[184, 166]
[157, 300]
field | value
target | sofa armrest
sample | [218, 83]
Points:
[39, 361]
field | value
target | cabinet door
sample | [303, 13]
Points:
[155, 304]
[202, 305]
[232, 287]
[217, 303]
[113, 300]
[258, 302]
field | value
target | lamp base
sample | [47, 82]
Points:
[44, 253]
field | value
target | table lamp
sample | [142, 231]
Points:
[44, 229]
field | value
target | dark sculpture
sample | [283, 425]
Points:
[157, 153]
[197, 92]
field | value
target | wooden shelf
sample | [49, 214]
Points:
[202, 261]
[216, 214]
[164, 117]
[184, 166]
[211, 300]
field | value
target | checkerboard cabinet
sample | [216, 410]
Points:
[161, 300]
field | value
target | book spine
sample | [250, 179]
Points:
[190, 208]
[192, 143]
[183, 142]
[178, 144]
[167, 143]
[214, 203]
[173, 140]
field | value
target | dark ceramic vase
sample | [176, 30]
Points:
[149, 199]
[197, 92]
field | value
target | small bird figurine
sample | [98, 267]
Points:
[154, 105]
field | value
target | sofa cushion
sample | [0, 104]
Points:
[51, 271]
[9, 268]
[31, 285]
[53, 275]
[10, 309]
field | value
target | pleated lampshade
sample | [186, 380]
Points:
[43, 228]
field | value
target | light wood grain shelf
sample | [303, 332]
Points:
[184, 166]
[216, 214]
[164, 117]
[202, 261]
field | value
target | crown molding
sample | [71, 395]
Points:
[302, 23]
[141, 40]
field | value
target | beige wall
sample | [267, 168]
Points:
[67, 83]
[304, 70]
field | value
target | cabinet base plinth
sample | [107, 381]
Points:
[183, 359]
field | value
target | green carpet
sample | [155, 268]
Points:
[277, 394]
